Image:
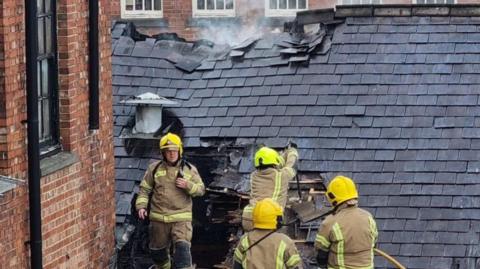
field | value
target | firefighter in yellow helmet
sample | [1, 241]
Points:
[270, 179]
[167, 188]
[263, 247]
[346, 239]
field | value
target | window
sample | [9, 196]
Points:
[47, 76]
[213, 8]
[435, 1]
[284, 7]
[360, 2]
[141, 9]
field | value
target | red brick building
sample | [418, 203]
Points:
[191, 19]
[77, 164]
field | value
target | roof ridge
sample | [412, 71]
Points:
[391, 10]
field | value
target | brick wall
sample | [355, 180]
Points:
[78, 205]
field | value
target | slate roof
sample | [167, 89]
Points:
[394, 103]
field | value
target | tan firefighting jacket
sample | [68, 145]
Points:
[273, 182]
[274, 252]
[169, 203]
[349, 237]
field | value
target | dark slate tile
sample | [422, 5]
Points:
[209, 102]
[276, 110]
[242, 121]
[433, 250]
[267, 71]
[249, 101]
[261, 91]
[210, 132]
[222, 92]
[415, 225]
[411, 250]
[273, 80]
[245, 91]
[202, 93]
[216, 83]
[229, 101]
[230, 132]
[267, 100]
[249, 132]
[261, 121]
[390, 224]
[309, 132]
[235, 82]
[280, 90]
[227, 64]
[269, 132]
[203, 122]
[198, 84]
[289, 132]
[256, 111]
[198, 111]
[292, 79]
[254, 81]
[184, 94]
[317, 69]
[287, 100]
[281, 121]
[386, 58]
[295, 110]
[223, 121]
[212, 74]
[217, 111]
[300, 90]
[403, 237]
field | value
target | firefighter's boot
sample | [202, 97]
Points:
[182, 257]
[161, 258]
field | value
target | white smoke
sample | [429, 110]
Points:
[234, 33]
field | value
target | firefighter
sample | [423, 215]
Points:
[169, 184]
[346, 238]
[263, 247]
[270, 178]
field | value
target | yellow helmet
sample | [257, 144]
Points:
[171, 141]
[341, 189]
[267, 156]
[266, 213]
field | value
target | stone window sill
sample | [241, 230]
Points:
[8, 183]
[57, 162]
[149, 23]
[203, 22]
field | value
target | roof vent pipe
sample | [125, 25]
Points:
[148, 116]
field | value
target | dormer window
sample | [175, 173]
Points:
[141, 9]
[284, 8]
[213, 8]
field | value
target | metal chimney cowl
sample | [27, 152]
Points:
[148, 116]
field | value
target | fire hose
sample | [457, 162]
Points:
[389, 258]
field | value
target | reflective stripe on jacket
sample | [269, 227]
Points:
[349, 237]
[276, 251]
[169, 203]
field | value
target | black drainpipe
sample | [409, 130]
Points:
[34, 174]
[93, 63]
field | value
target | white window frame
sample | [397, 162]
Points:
[139, 14]
[282, 12]
[212, 13]
[360, 2]
[436, 2]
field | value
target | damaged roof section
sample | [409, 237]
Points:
[393, 102]
[272, 50]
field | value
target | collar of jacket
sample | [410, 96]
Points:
[347, 204]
